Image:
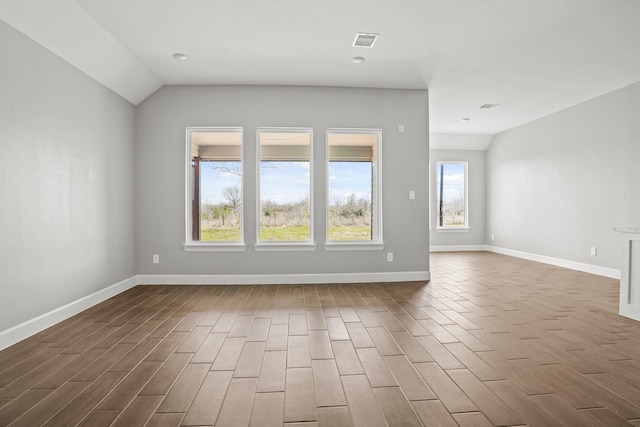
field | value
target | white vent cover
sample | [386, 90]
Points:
[365, 39]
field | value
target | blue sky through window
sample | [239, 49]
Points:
[453, 187]
[346, 178]
[215, 177]
[285, 182]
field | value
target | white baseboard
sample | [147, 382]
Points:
[573, 265]
[31, 327]
[26, 329]
[17, 333]
[458, 248]
[272, 279]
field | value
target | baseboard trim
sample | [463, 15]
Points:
[31, 327]
[17, 333]
[458, 248]
[272, 279]
[573, 265]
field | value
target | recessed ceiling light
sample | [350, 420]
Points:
[358, 59]
[179, 56]
[466, 119]
[487, 106]
[365, 39]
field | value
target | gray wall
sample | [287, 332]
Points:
[558, 185]
[476, 192]
[160, 172]
[66, 182]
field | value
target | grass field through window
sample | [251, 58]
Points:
[350, 232]
[285, 233]
[220, 234]
[288, 233]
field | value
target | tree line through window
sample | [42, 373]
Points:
[285, 185]
[216, 184]
[451, 182]
[353, 184]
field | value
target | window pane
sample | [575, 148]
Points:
[350, 200]
[216, 186]
[353, 186]
[451, 194]
[220, 201]
[285, 185]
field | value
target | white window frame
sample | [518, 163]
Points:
[376, 212]
[450, 228]
[191, 245]
[268, 245]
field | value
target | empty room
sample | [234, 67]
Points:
[319, 214]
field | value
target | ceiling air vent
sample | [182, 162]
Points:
[489, 106]
[365, 39]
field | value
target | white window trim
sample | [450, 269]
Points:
[340, 245]
[199, 246]
[353, 245]
[271, 245]
[284, 246]
[449, 228]
[214, 247]
[452, 230]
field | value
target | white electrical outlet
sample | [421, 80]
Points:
[412, 195]
[493, 237]
[594, 251]
[390, 256]
[156, 258]
[400, 128]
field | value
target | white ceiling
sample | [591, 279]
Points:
[533, 57]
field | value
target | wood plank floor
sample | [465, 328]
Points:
[490, 340]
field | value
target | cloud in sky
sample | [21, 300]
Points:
[453, 185]
[285, 182]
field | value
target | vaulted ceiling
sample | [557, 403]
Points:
[532, 58]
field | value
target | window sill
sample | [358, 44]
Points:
[353, 246]
[453, 230]
[284, 246]
[214, 247]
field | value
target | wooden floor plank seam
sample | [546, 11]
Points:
[490, 340]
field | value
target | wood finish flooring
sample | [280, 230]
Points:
[490, 340]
